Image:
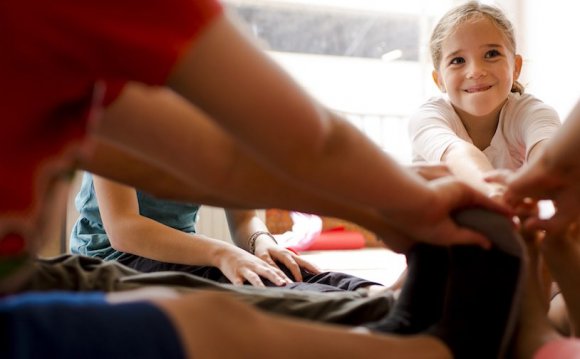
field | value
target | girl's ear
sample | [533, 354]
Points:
[517, 66]
[438, 82]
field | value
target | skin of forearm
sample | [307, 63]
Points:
[561, 152]
[117, 163]
[289, 132]
[242, 224]
[125, 167]
[150, 239]
[232, 179]
[470, 164]
[562, 259]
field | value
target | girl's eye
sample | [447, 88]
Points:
[457, 60]
[492, 53]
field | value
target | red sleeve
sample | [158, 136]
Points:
[54, 52]
[129, 39]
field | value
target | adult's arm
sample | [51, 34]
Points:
[555, 175]
[203, 145]
[289, 133]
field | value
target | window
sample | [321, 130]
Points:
[365, 59]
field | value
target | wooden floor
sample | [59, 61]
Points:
[376, 264]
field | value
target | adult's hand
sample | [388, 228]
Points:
[432, 223]
[544, 179]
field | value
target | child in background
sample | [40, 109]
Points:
[486, 121]
[151, 234]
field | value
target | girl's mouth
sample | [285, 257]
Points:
[477, 89]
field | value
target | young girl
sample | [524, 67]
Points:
[486, 121]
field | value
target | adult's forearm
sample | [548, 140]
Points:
[284, 128]
[561, 152]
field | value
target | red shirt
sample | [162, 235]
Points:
[53, 53]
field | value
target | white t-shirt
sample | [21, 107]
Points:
[523, 122]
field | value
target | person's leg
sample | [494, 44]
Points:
[84, 325]
[78, 273]
[562, 254]
[476, 306]
[533, 329]
[199, 319]
[420, 302]
[484, 288]
[147, 265]
[536, 337]
[340, 308]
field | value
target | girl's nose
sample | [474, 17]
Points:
[475, 71]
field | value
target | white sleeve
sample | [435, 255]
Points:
[532, 121]
[432, 129]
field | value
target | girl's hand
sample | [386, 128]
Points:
[498, 176]
[497, 180]
[271, 252]
[240, 266]
[431, 171]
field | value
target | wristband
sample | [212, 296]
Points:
[254, 236]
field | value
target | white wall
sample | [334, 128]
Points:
[552, 51]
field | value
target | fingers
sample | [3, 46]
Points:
[454, 194]
[499, 176]
[463, 236]
[310, 267]
[431, 171]
[532, 182]
[275, 275]
[293, 267]
[289, 260]
[555, 226]
[253, 271]
[470, 197]
[254, 276]
[494, 205]
[251, 277]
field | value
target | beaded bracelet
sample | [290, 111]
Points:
[254, 236]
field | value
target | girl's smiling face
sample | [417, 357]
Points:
[477, 69]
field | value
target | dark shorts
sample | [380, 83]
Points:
[322, 282]
[83, 325]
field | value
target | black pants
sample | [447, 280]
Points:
[323, 282]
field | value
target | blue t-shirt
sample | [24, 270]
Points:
[83, 325]
[88, 236]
